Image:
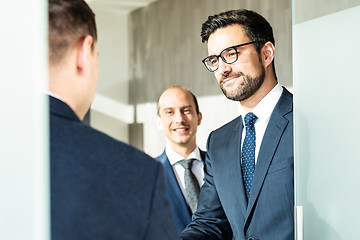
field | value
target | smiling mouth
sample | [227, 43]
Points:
[232, 77]
[229, 79]
[181, 129]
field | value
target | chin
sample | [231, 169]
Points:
[182, 141]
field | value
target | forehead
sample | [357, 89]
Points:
[226, 37]
[175, 97]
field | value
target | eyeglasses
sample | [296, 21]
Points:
[228, 55]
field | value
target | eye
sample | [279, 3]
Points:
[168, 112]
[212, 60]
[187, 110]
[230, 53]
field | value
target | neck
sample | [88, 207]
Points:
[184, 150]
[68, 97]
[250, 103]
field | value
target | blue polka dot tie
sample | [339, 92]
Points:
[248, 152]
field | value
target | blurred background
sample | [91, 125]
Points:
[146, 46]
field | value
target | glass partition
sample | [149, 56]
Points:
[327, 131]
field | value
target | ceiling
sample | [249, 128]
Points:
[119, 5]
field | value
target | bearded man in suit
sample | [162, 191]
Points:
[248, 192]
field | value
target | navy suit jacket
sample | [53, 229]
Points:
[223, 211]
[102, 188]
[180, 209]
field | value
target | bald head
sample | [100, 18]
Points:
[180, 89]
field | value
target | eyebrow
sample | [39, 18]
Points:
[188, 106]
[167, 108]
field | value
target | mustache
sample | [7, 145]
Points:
[180, 126]
[231, 75]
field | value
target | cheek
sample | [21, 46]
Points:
[166, 123]
[217, 76]
[194, 121]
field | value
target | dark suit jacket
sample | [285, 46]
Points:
[223, 211]
[102, 188]
[180, 209]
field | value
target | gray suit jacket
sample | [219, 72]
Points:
[223, 211]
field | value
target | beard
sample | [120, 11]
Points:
[245, 89]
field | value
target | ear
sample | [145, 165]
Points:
[83, 54]
[199, 118]
[159, 123]
[268, 51]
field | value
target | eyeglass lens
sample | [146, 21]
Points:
[228, 55]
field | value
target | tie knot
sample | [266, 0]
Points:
[186, 163]
[250, 119]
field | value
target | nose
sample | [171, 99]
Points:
[178, 116]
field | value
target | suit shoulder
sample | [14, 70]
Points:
[228, 126]
[92, 144]
[119, 147]
[162, 158]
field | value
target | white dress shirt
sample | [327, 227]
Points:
[263, 111]
[54, 95]
[197, 167]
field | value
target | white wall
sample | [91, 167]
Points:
[24, 174]
[110, 111]
[326, 117]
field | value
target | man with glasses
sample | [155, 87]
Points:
[249, 181]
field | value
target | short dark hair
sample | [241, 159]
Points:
[256, 27]
[197, 109]
[69, 22]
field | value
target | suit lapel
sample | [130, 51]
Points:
[272, 136]
[175, 195]
[233, 164]
[178, 202]
[202, 155]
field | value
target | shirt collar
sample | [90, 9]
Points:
[266, 106]
[54, 95]
[175, 157]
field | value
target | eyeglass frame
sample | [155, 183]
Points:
[220, 55]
